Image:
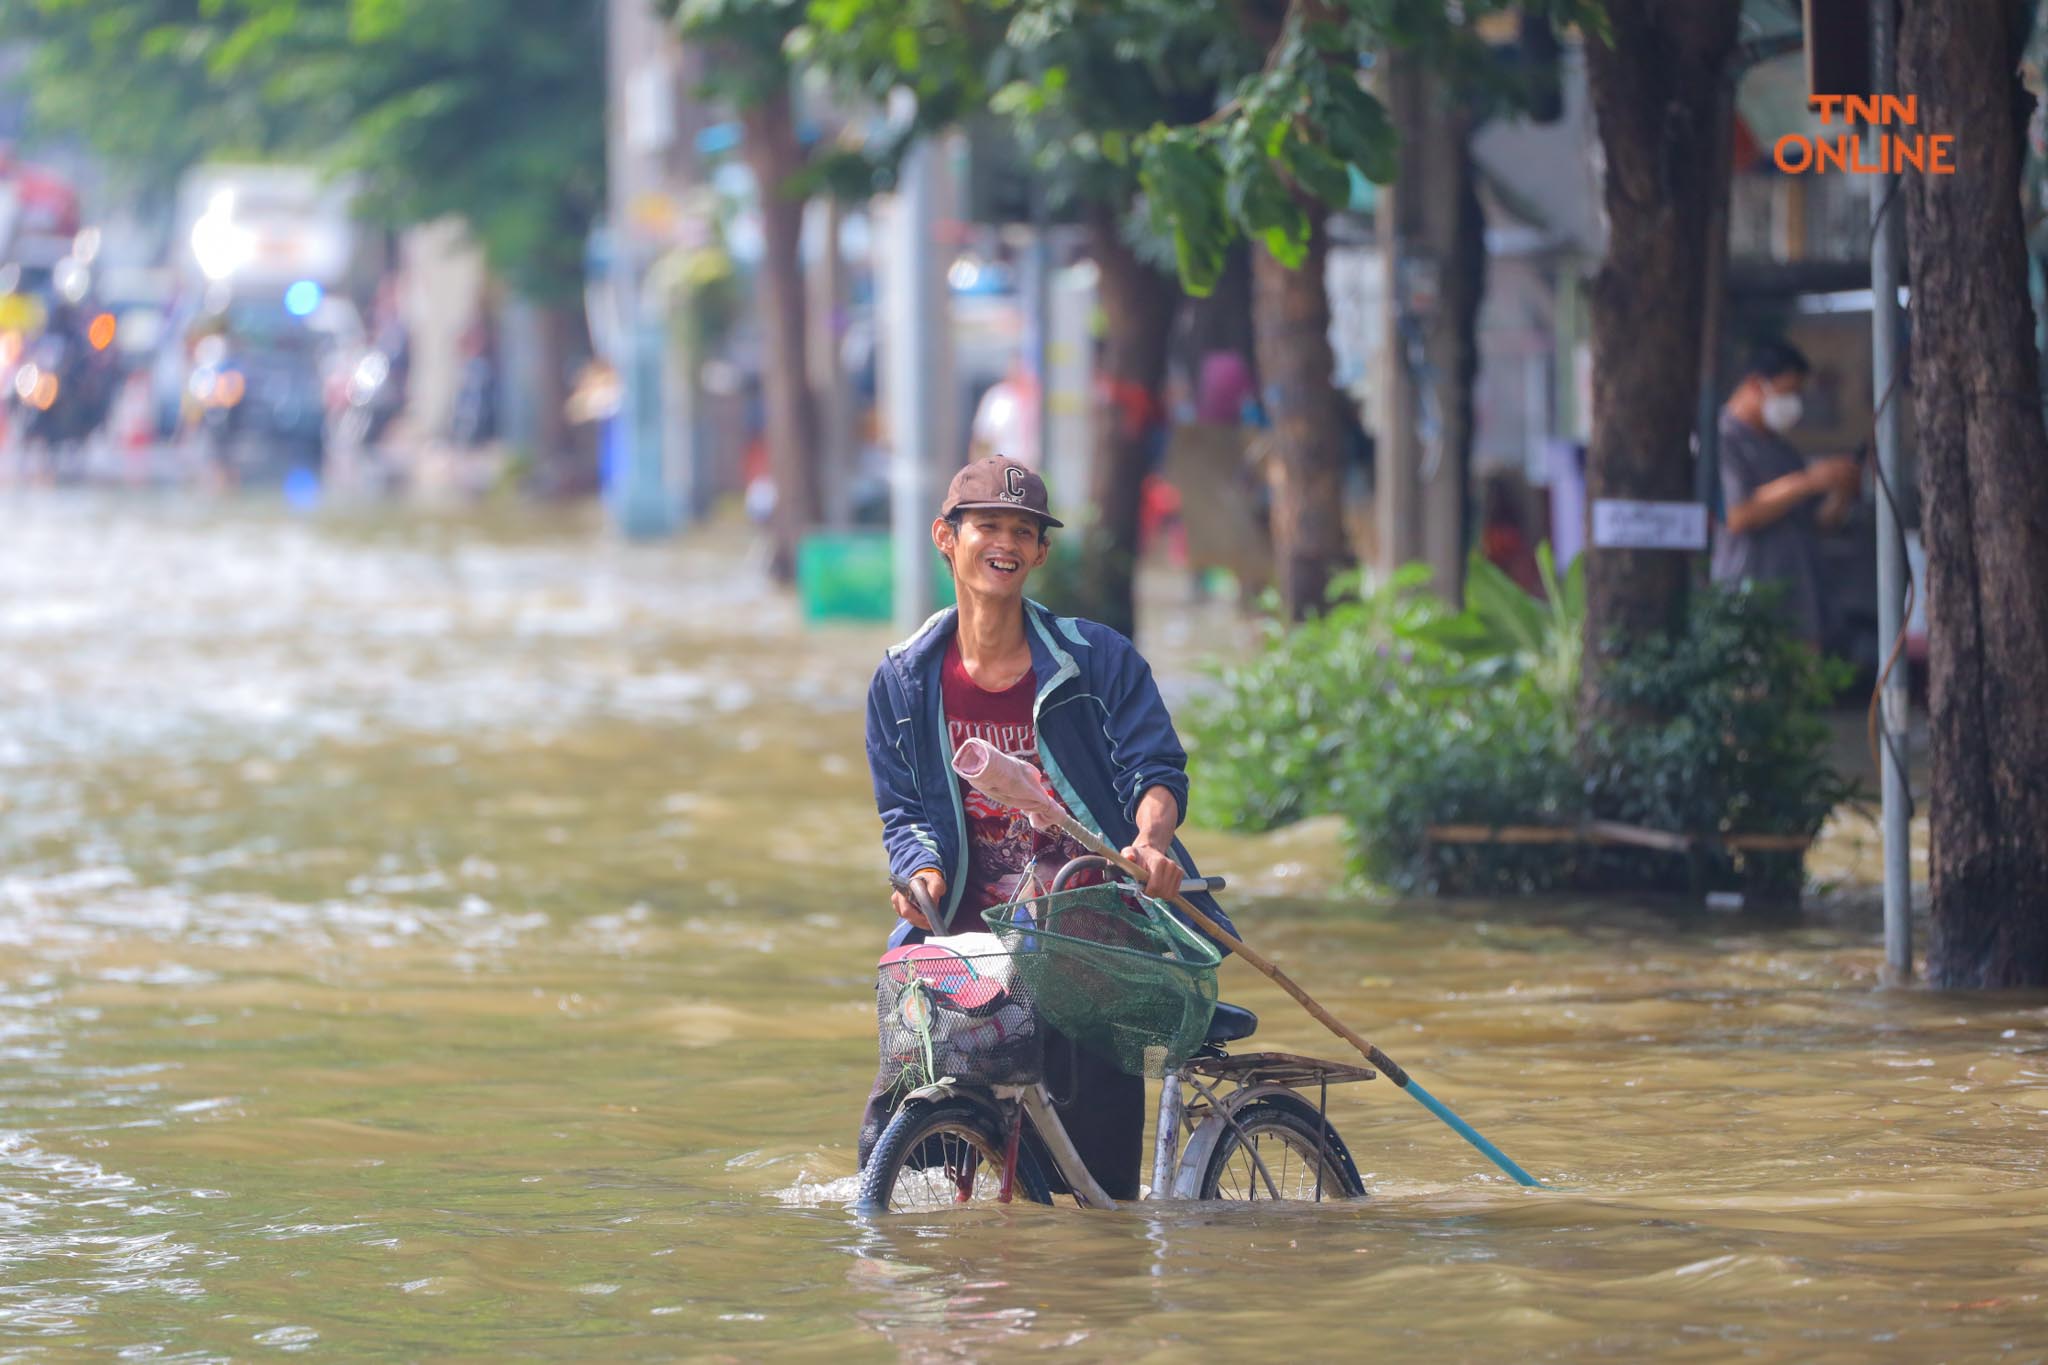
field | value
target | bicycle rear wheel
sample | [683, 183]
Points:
[1284, 1143]
[937, 1154]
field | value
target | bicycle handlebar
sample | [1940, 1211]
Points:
[915, 889]
[1100, 863]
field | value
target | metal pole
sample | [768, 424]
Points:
[1707, 482]
[1166, 1138]
[828, 375]
[640, 501]
[1040, 318]
[911, 353]
[1891, 570]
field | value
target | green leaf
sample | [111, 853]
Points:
[904, 47]
[1518, 621]
[1358, 131]
[1017, 99]
[1321, 174]
[836, 16]
[1288, 247]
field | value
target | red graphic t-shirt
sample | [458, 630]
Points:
[1001, 844]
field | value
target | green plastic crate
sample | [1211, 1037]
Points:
[851, 576]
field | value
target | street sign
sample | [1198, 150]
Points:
[1622, 524]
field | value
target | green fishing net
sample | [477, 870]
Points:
[1115, 972]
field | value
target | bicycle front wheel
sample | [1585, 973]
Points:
[1273, 1153]
[941, 1153]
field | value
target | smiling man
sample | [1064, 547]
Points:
[1072, 697]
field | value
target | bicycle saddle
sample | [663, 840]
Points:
[1231, 1022]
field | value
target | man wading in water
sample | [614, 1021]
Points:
[1072, 697]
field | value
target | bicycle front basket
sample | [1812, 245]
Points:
[1114, 971]
[955, 1007]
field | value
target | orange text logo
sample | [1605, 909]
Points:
[1895, 145]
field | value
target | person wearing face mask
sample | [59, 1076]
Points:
[1776, 502]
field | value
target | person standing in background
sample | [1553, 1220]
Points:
[1776, 503]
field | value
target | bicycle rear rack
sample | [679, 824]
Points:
[1279, 1068]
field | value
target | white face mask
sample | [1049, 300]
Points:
[1782, 410]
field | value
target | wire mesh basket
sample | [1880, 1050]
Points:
[956, 1008]
[1114, 971]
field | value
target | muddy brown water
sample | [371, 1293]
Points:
[438, 940]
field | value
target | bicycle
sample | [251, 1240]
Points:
[1233, 1128]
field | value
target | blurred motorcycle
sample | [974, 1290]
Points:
[63, 391]
[376, 395]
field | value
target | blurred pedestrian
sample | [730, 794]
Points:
[1776, 502]
[1225, 395]
[1006, 419]
[476, 400]
[1503, 538]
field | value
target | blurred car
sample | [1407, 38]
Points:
[257, 386]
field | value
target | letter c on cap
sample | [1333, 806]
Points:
[1013, 484]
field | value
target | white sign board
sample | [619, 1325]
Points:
[1621, 524]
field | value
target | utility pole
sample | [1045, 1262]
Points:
[827, 302]
[1886, 225]
[917, 360]
[1038, 318]
[645, 499]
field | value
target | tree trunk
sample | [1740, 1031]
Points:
[1454, 352]
[1138, 304]
[1984, 498]
[1437, 250]
[1654, 94]
[1305, 461]
[565, 464]
[774, 155]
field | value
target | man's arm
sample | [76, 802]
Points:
[906, 833]
[1144, 750]
[1773, 502]
[1150, 766]
[1777, 499]
[1158, 818]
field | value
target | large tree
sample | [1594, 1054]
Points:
[1984, 497]
[1269, 165]
[748, 71]
[159, 55]
[1274, 161]
[1655, 79]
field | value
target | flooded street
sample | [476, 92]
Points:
[422, 939]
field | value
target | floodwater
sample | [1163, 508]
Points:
[421, 940]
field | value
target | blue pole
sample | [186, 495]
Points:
[1470, 1134]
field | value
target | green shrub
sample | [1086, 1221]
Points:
[1281, 739]
[1742, 746]
[1397, 714]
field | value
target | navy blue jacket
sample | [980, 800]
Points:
[1104, 739]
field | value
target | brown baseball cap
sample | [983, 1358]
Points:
[1001, 483]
